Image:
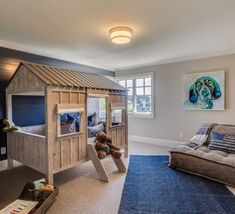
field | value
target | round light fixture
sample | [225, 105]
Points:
[120, 35]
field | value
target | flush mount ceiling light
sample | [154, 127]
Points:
[120, 35]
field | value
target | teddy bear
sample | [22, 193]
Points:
[104, 146]
[9, 126]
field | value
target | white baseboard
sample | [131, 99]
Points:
[3, 165]
[155, 141]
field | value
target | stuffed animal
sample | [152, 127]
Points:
[104, 146]
[10, 126]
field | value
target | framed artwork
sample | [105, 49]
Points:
[204, 91]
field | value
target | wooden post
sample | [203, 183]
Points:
[49, 140]
[50, 178]
[10, 163]
[126, 129]
[108, 116]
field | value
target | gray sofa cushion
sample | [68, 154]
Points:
[206, 164]
[213, 164]
[210, 155]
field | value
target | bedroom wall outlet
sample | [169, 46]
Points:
[3, 150]
[181, 134]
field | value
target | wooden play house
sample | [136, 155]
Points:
[58, 144]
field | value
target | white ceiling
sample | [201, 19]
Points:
[77, 30]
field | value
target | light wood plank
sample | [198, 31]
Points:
[97, 163]
[120, 165]
[27, 149]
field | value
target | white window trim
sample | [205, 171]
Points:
[68, 110]
[135, 76]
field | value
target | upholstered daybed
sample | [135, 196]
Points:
[213, 163]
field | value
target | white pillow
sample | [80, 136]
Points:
[199, 139]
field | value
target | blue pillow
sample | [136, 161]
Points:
[77, 122]
[70, 117]
[222, 142]
[63, 117]
[75, 119]
[90, 120]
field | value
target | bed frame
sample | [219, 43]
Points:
[40, 147]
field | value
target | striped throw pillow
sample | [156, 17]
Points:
[222, 142]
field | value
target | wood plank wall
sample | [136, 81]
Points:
[67, 150]
[29, 150]
[118, 134]
[10, 59]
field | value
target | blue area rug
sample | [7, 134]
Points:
[152, 187]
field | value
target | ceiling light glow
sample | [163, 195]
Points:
[121, 35]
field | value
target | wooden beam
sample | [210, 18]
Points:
[97, 163]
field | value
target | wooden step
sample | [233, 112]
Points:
[99, 166]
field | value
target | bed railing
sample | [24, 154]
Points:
[28, 148]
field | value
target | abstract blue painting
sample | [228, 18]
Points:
[204, 91]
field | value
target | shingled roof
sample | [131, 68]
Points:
[65, 77]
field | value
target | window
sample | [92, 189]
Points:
[70, 123]
[117, 117]
[69, 119]
[102, 109]
[140, 94]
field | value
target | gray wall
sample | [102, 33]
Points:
[170, 117]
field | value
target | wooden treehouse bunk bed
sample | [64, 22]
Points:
[61, 142]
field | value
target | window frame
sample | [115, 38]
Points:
[123, 117]
[135, 114]
[100, 110]
[69, 108]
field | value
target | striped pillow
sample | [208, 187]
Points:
[222, 142]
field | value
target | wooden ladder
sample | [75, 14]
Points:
[99, 166]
